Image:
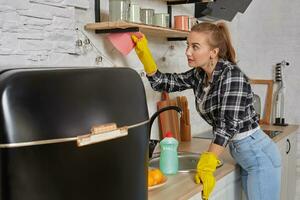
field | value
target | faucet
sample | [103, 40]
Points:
[153, 143]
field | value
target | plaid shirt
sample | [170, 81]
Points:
[228, 105]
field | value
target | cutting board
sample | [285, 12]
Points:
[168, 120]
[185, 126]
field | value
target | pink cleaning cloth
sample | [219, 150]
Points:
[123, 41]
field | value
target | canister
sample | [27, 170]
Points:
[134, 12]
[181, 22]
[192, 22]
[118, 10]
[161, 19]
[147, 15]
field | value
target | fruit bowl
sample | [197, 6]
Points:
[156, 178]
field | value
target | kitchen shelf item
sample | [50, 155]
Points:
[268, 102]
[147, 16]
[134, 13]
[161, 19]
[118, 10]
[181, 22]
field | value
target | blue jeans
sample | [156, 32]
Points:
[260, 164]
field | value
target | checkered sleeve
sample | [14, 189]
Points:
[172, 82]
[233, 90]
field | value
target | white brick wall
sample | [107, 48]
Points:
[41, 33]
[33, 32]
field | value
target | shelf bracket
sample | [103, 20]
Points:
[118, 30]
[176, 38]
[97, 11]
[170, 15]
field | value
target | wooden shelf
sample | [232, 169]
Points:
[124, 26]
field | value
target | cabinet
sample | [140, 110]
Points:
[227, 188]
[288, 151]
[231, 188]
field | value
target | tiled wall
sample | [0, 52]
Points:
[41, 33]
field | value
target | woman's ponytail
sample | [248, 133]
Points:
[229, 53]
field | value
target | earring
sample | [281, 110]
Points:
[211, 63]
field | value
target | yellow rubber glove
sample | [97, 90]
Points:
[206, 166]
[144, 54]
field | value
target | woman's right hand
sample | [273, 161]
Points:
[144, 54]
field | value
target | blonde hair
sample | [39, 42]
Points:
[219, 37]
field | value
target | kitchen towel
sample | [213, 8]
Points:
[123, 41]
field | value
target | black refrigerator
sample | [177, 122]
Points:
[56, 104]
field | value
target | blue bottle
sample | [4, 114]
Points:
[168, 161]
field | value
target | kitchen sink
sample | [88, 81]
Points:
[187, 162]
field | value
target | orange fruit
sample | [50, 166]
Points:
[150, 181]
[157, 175]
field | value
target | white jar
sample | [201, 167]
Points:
[147, 16]
[161, 19]
[118, 10]
[134, 13]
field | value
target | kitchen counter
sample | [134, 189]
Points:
[182, 185]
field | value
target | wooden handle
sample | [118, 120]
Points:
[103, 128]
[185, 128]
[163, 118]
[175, 121]
[101, 133]
[168, 120]
[185, 132]
[187, 119]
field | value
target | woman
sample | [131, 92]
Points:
[224, 99]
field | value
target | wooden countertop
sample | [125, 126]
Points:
[182, 185]
[286, 130]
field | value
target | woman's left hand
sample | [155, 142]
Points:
[206, 166]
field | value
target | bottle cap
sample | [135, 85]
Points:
[168, 134]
